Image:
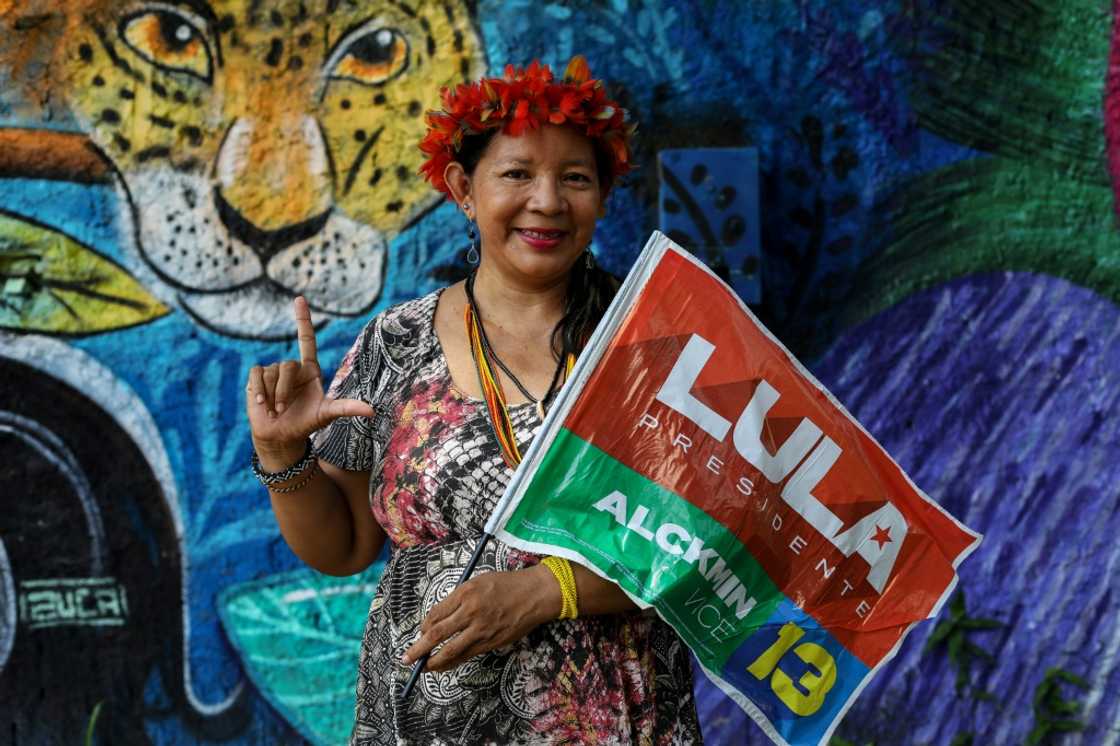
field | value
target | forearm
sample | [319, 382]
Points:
[322, 510]
[595, 595]
[497, 608]
[316, 524]
[319, 524]
[599, 596]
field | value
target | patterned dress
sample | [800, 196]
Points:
[437, 474]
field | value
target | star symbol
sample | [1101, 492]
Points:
[882, 536]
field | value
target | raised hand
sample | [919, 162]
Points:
[285, 401]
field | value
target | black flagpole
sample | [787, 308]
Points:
[418, 666]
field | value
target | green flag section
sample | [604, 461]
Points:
[788, 672]
[659, 548]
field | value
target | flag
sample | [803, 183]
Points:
[694, 462]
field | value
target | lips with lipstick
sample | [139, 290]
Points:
[541, 238]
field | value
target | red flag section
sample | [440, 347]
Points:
[713, 408]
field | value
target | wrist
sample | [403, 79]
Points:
[564, 579]
[549, 601]
[296, 475]
[278, 457]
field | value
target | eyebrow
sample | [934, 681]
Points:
[529, 162]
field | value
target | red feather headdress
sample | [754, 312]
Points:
[524, 99]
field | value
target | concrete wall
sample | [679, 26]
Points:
[938, 242]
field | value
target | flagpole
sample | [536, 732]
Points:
[418, 666]
[585, 364]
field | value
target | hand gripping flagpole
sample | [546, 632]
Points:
[488, 531]
[492, 522]
[418, 666]
[586, 362]
[491, 528]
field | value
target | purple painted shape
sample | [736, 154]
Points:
[1000, 395]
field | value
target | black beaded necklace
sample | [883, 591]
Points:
[488, 350]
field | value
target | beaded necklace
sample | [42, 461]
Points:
[491, 386]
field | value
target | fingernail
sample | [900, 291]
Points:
[272, 414]
[280, 406]
[260, 398]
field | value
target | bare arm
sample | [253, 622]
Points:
[597, 596]
[497, 608]
[327, 521]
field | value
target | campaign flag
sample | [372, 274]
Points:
[694, 462]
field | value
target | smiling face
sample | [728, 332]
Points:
[536, 199]
[264, 148]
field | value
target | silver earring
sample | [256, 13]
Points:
[588, 259]
[472, 252]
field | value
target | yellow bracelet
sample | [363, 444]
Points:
[562, 569]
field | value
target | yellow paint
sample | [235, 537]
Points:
[280, 174]
[282, 115]
[375, 73]
[145, 33]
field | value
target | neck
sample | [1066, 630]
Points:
[508, 303]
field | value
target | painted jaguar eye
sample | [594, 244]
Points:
[168, 39]
[371, 56]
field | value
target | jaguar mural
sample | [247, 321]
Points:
[260, 151]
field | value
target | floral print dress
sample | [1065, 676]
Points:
[437, 473]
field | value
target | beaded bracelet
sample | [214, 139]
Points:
[271, 478]
[562, 569]
[298, 485]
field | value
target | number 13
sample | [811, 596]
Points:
[816, 684]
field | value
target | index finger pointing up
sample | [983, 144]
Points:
[305, 332]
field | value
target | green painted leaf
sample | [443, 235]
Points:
[1063, 675]
[993, 215]
[1019, 79]
[50, 283]
[298, 635]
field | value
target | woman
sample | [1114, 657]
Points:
[424, 423]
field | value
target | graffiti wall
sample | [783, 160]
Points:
[922, 205]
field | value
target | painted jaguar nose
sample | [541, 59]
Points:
[264, 242]
[274, 183]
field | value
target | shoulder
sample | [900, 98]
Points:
[409, 319]
[403, 332]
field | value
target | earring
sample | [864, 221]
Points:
[588, 259]
[472, 252]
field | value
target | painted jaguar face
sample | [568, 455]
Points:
[265, 148]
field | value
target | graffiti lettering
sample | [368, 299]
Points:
[78, 602]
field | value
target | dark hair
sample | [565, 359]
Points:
[590, 289]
